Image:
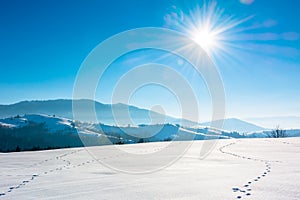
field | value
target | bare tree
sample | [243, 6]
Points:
[277, 133]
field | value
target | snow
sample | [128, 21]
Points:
[13, 122]
[53, 123]
[215, 133]
[7, 125]
[236, 169]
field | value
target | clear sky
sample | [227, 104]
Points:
[43, 43]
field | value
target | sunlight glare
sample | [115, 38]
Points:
[208, 26]
[205, 38]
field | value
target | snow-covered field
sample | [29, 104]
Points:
[235, 169]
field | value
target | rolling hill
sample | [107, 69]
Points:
[36, 132]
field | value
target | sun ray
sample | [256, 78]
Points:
[209, 27]
[227, 36]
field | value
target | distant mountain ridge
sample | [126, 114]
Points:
[271, 122]
[233, 124]
[106, 113]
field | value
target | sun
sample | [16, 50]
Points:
[205, 38]
[208, 26]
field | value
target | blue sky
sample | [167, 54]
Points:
[43, 44]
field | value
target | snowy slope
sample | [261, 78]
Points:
[235, 169]
[157, 132]
[52, 123]
[35, 132]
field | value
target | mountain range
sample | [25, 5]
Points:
[107, 113]
[233, 124]
[286, 122]
[37, 125]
